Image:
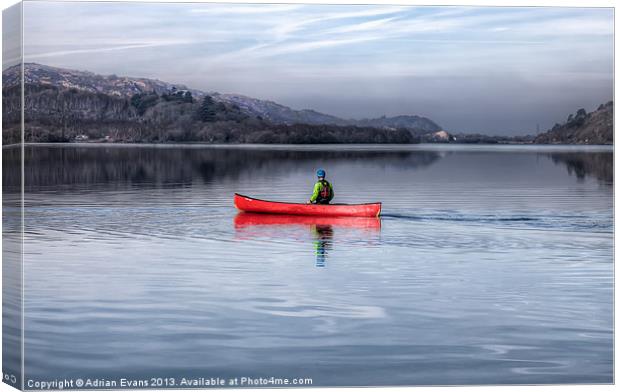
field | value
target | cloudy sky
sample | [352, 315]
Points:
[493, 70]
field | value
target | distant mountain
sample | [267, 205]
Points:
[119, 86]
[126, 87]
[277, 113]
[596, 127]
[63, 105]
[421, 124]
[281, 114]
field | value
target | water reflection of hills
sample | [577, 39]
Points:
[177, 166]
[599, 165]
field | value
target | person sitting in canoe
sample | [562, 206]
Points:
[323, 191]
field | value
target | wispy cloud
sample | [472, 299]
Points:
[311, 45]
[99, 49]
[364, 26]
[285, 28]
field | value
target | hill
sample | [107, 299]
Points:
[415, 123]
[281, 114]
[119, 86]
[64, 105]
[276, 113]
[596, 127]
[133, 102]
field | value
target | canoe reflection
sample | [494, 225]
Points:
[249, 219]
[321, 228]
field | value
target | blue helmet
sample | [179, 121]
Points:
[320, 173]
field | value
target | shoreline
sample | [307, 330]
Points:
[342, 146]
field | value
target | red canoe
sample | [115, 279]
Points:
[249, 204]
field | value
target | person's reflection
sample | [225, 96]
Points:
[262, 226]
[323, 236]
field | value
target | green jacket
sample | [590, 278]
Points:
[317, 190]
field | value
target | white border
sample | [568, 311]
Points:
[520, 3]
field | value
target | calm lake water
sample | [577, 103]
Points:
[490, 265]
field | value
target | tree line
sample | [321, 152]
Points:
[55, 114]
